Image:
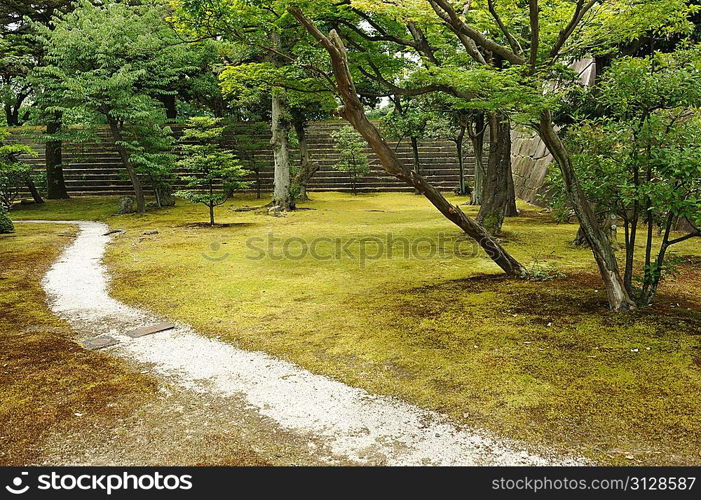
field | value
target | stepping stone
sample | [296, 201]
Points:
[148, 330]
[99, 342]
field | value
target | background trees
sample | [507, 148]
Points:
[111, 63]
[509, 65]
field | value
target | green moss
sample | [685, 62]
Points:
[544, 362]
[46, 377]
[6, 225]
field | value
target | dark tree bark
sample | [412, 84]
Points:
[618, 297]
[31, 187]
[307, 168]
[131, 172]
[353, 112]
[170, 104]
[11, 116]
[495, 188]
[55, 183]
[477, 140]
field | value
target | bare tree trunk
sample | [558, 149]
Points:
[495, 196]
[307, 168]
[415, 153]
[133, 176]
[33, 190]
[353, 112]
[477, 140]
[511, 210]
[53, 150]
[462, 187]
[618, 296]
[281, 180]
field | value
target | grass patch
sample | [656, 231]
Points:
[540, 361]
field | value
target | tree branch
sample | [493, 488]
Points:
[515, 46]
[447, 13]
[579, 11]
[533, 13]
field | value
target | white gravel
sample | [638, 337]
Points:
[354, 424]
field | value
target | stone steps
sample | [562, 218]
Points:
[95, 167]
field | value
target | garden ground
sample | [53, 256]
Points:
[542, 362]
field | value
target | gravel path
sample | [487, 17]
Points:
[353, 425]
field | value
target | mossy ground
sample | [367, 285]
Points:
[60, 403]
[543, 362]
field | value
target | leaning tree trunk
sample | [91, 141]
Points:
[601, 247]
[355, 114]
[131, 172]
[281, 156]
[495, 188]
[31, 187]
[55, 183]
[307, 168]
[477, 140]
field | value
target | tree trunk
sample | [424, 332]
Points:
[11, 116]
[459, 141]
[495, 188]
[33, 190]
[618, 296]
[415, 154]
[511, 210]
[124, 156]
[307, 168]
[477, 140]
[170, 104]
[55, 183]
[281, 156]
[355, 114]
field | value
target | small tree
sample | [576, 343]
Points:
[641, 161]
[6, 225]
[14, 174]
[352, 159]
[112, 62]
[215, 171]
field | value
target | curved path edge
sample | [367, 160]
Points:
[362, 427]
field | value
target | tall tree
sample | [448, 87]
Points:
[526, 49]
[16, 88]
[96, 64]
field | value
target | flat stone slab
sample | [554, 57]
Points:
[99, 342]
[148, 330]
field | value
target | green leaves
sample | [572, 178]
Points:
[216, 173]
[351, 146]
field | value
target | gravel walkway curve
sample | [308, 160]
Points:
[357, 426]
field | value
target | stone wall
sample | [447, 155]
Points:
[530, 158]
